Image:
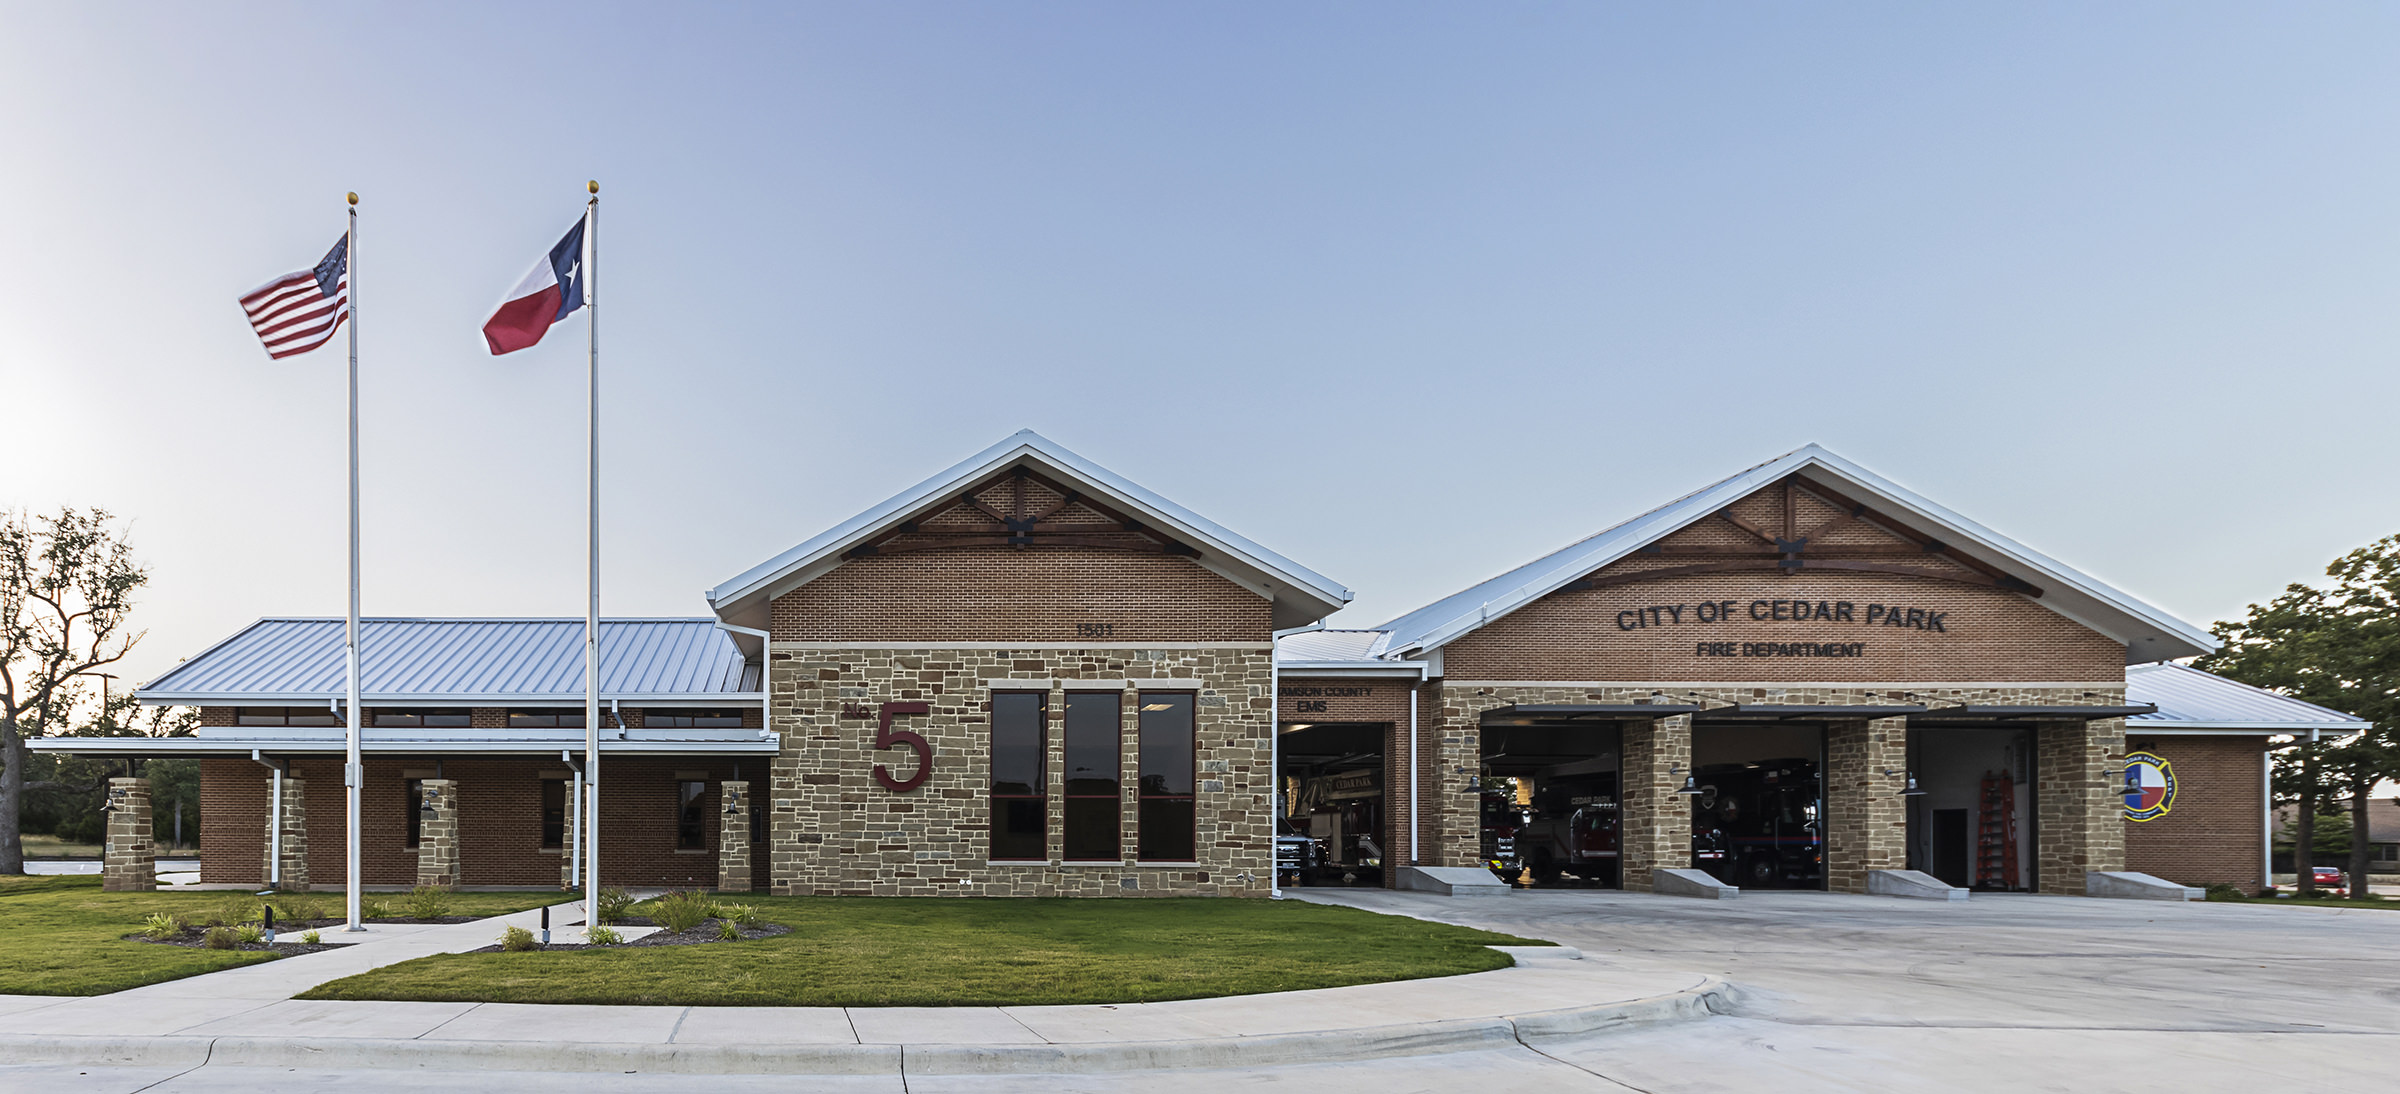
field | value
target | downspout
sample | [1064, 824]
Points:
[1275, 750]
[1415, 776]
[575, 820]
[2266, 805]
[274, 818]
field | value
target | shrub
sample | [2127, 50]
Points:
[219, 938]
[680, 912]
[517, 940]
[744, 914]
[162, 926]
[250, 934]
[381, 909]
[603, 936]
[232, 910]
[427, 902]
[728, 931]
[299, 909]
[312, 937]
[2222, 891]
[613, 903]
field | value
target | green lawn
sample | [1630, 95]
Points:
[863, 951]
[60, 935]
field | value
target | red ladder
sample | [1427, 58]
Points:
[1996, 834]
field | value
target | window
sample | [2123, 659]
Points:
[545, 719]
[691, 719]
[691, 819]
[1095, 810]
[285, 716]
[416, 810]
[425, 717]
[2387, 852]
[1169, 829]
[554, 814]
[1020, 806]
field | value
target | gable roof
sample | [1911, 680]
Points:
[2188, 698]
[1300, 595]
[301, 660]
[2149, 634]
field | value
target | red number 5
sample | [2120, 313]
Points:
[887, 737]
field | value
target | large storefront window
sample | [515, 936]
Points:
[1095, 809]
[1168, 827]
[1020, 804]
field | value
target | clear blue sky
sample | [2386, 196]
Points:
[1409, 293]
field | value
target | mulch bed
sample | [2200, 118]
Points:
[288, 933]
[705, 933]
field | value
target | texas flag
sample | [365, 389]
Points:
[550, 291]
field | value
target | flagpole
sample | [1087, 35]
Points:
[591, 616]
[352, 771]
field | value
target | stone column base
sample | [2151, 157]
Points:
[130, 861]
[733, 837]
[437, 833]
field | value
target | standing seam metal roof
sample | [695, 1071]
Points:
[2186, 695]
[433, 659]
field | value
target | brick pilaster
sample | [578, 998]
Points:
[437, 833]
[733, 837]
[294, 844]
[129, 863]
[1866, 818]
[1655, 824]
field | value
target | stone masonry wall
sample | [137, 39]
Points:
[1866, 816]
[437, 834]
[294, 843]
[835, 830]
[2082, 811]
[129, 860]
[733, 837]
[1654, 822]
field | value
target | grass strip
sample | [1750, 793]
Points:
[61, 935]
[885, 951]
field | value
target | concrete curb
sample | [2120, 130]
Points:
[1710, 996]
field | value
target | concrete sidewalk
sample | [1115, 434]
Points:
[246, 1018]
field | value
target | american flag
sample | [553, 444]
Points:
[300, 311]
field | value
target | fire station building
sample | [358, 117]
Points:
[1028, 675]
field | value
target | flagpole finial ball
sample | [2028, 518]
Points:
[595, 185]
[353, 197]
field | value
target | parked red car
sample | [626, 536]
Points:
[2330, 880]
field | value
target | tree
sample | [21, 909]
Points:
[2337, 646]
[66, 587]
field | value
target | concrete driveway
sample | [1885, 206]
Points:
[1996, 993]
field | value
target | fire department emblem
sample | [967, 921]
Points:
[2149, 786]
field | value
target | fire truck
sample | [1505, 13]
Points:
[1759, 825]
[1569, 829]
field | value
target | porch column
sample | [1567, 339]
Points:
[2077, 769]
[733, 838]
[1866, 818]
[129, 863]
[1654, 822]
[437, 833]
[293, 844]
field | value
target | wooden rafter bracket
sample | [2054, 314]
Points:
[1019, 530]
[1778, 565]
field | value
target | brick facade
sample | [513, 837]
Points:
[2216, 831]
[499, 804]
[1610, 632]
